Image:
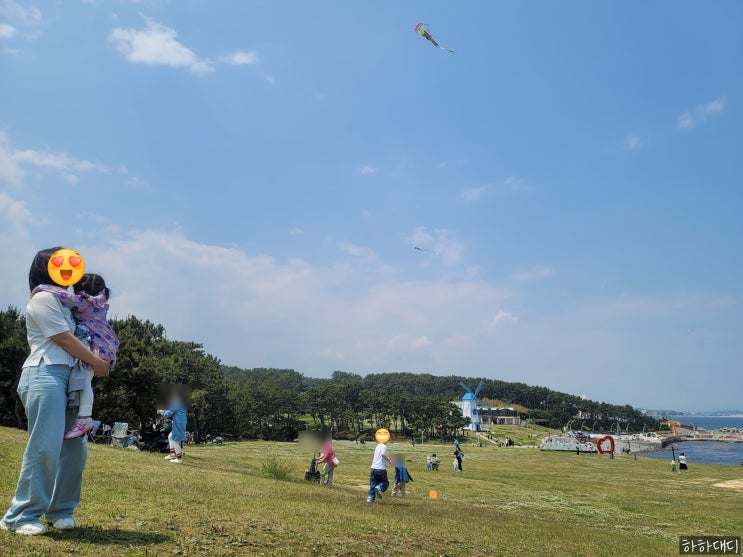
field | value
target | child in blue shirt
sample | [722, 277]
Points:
[177, 413]
[402, 476]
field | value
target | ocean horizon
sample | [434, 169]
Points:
[711, 422]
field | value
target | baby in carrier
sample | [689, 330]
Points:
[89, 308]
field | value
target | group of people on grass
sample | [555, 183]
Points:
[378, 478]
[378, 482]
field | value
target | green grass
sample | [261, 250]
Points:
[507, 502]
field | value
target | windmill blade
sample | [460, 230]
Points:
[479, 387]
[466, 388]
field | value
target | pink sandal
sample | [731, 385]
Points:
[78, 430]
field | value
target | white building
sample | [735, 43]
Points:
[486, 416]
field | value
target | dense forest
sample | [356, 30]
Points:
[277, 403]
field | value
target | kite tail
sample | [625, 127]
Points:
[448, 49]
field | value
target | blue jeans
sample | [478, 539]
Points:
[377, 478]
[52, 470]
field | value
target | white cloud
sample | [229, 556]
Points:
[691, 118]
[12, 162]
[136, 183]
[9, 51]
[6, 31]
[14, 11]
[440, 242]
[370, 319]
[344, 311]
[685, 121]
[421, 342]
[14, 210]
[405, 343]
[365, 256]
[20, 22]
[632, 142]
[538, 272]
[157, 45]
[17, 249]
[59, 161]
[296, 231]
[692, 306]
[95, 217]
[470, 195]
[368, 169]
[10, 171]
[513, 183]
[500, 317]
[240, 58]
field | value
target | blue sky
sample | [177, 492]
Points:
[255, 175]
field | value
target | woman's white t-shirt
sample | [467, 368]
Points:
[46, 317]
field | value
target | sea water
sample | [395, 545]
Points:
[707, 452]
[711, 422]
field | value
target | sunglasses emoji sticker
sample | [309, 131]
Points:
[66, 267]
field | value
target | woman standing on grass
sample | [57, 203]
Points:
[328, 459]
[458, 456]
[52, 469]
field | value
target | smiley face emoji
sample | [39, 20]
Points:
[66, 267]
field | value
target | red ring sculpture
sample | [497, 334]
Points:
[601, 440]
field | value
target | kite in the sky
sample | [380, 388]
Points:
[423, 31]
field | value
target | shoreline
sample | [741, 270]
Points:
[705, 416]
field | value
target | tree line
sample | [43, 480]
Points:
[275, 404]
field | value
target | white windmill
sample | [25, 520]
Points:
[471, 405]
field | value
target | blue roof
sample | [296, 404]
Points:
[468, 396]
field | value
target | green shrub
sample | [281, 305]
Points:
[273, 466]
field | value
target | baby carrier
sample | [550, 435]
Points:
[313, 474]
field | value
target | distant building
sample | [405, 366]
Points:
[486, 416]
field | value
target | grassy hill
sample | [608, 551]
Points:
[506, 502]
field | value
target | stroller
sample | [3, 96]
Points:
[313, 474]
[153, 440]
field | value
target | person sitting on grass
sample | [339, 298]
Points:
[402, 476]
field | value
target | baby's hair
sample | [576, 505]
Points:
[92, 284]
